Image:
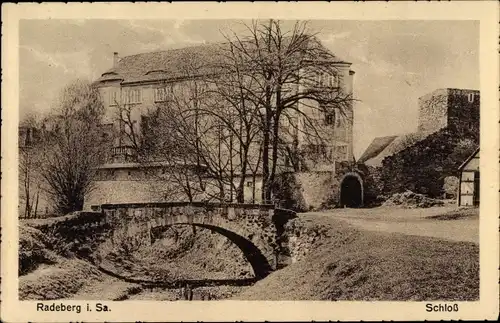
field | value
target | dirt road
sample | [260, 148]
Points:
[411, 222]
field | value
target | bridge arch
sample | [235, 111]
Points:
[254, 229]
[258, 261]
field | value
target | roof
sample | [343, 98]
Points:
[377, 145]
[161, 65]
[169, 64]
[131, 165]
[383, 147]
[469, 159]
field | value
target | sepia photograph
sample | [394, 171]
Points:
[177, 160]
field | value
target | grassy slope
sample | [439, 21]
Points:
[61, 280]
[46, 275]
[461, 213]
[375, 266]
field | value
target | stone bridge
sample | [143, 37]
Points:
[255, 228]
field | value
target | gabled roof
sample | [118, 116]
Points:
[161, 64]
[376, 147]
[383, 147]
[469, 159]
[168, 64]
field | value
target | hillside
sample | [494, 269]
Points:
[374, 266]
[332, 261]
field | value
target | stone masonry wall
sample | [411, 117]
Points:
[133, 223]
[302, 237]
[318, 189]
[433, 111]
[463, 115]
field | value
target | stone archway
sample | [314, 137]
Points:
[260, 264]
[351, 191]
[255, 229]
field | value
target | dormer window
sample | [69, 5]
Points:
[470, 97]
[109, 73]
[156, 72]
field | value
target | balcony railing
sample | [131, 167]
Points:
[123, 153]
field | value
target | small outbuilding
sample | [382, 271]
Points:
[468, 190]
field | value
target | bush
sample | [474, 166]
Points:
[33, 250]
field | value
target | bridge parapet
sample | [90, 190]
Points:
[254, 228]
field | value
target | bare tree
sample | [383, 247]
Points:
[295, 78]
[128, 132]
[242, 113]
[73, 146]
[29, 165]
[181, 136]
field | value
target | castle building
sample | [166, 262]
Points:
[139, 82]
[457, 109]
[448, 123]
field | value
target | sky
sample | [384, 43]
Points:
[395, 61]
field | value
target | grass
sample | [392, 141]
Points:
[375, 266]
[33, 251]
[61, 280]
[46, 275]
[460, 213]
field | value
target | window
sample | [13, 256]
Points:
[341, 152]
[160, 95]
[133, 96]
[318, 149]
[333, 80]
[343, 149]
[330, 118]
[249, 184]
[470, 97]
[339, 122]
[113, 97]
[326, 79]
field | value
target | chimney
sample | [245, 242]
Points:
[116, 58]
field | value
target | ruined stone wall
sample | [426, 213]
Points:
[463, 111]
[423, 167]
[433, 111]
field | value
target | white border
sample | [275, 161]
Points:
[486, 308]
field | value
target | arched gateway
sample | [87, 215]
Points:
[351, 191]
